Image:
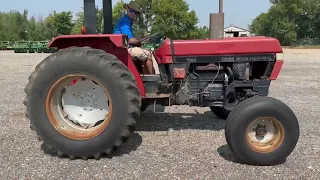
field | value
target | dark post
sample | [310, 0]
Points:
[89, 8]
[220, 6]
[217, 23]
[107, 17]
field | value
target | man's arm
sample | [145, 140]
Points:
[126, 30]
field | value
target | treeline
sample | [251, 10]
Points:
[289, 21]
[175, 20]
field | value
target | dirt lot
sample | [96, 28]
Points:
[182, 143]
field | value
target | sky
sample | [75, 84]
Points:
[237, 12]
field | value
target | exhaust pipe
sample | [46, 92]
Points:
[107, 17]
[90, 16]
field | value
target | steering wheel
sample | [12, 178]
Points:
[152, 41]
[149, 37]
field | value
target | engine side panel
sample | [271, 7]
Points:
[217, 72]
[218, 85]
[170, 50]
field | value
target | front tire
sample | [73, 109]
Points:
[91, 67]
[262, 131]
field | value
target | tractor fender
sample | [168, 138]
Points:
[111, 43]
[64, 41]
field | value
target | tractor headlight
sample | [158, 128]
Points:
[279, 56]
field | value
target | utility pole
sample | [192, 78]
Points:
[217, 23]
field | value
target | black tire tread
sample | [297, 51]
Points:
[113, 64]
[232, 113]
[249, 102]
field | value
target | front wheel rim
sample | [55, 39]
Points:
[78, 106]
[265, 134]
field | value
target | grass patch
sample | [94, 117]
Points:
[301, 47]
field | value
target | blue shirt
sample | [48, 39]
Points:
[124, 26]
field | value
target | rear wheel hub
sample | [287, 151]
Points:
[85, 103]
[78, 107]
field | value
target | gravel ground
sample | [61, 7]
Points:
[170, 145]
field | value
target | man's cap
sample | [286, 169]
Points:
[133, 5]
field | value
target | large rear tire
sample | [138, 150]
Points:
[91, 116]
[262, 131]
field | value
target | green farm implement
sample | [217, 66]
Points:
[32, 47]
[5, 45]
[21, 47]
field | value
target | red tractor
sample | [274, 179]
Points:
[85, 99]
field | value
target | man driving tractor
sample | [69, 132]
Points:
[124, 26]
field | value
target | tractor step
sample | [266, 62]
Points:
[150, 77]
[152, 82]
[156, 96]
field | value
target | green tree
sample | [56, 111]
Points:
[260, 25]
[99, 20]
[200, 33]
[144, 21]
[173, 18]
[13, 26]
[2, 34]
[61, 23]
[23, 24]
[117, 12]
[269, 24]
[289, 20]
[78, 23]
[41, 32]
[32, 29]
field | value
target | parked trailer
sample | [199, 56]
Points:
[21, 47]
[32, 47]
[4, 45]
[43, 47]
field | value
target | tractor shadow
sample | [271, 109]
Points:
[225, 152]
[159, 121]
[163, 121]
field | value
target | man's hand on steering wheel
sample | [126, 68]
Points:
[134, 41]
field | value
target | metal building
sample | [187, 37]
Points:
[234, 31]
